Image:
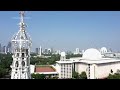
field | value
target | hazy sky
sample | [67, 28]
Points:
[65, 30]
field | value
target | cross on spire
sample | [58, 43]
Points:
[22, 14]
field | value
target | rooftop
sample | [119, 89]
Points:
[45, 69]
[103, 60]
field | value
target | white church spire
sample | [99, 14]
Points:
[21, 44]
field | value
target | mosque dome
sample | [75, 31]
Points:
[103, 50]
[63, 54]
[92, 54]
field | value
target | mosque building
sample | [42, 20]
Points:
[93, 62]
[97, 64]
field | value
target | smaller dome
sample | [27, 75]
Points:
[63, 54]
[103, 50]
[92, 54]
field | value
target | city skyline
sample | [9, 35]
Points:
[65, 30]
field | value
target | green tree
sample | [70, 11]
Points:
[38, 76]
[42, 76]
[5, 62]
[45, 61]
[75, 75]
[33, 76]
[3, 72]
[114, 76]
[68, 56]
[83, 75]
[49, 77]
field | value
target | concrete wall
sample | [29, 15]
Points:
[99, 70]
[32, 68]
[64, 70]
[58, 69]
[103, 70]
[80, 67]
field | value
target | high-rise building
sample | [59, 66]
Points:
[57, 52]
[37, 50]
[52, 50]
[49, 50]
[77, 51]
[4, 50]
[40, 51]
[9, 48]
[46, 51]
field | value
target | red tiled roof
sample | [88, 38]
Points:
[44, 69]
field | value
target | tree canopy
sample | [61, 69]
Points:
[38, 76]
[76, 75]
[45, 61]
[114, 76]
[5, 62]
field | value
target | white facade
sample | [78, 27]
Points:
[40, 51]
[21, 44]
[64, 70]
[64, 67]
[92, 62]
[117, 55]
[103, 50]
[77, 51]
[32, 69]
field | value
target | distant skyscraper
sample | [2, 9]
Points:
[52, 51]
[58, 52]
[4, 50]
[37, 50]
[69, 52]
[46, 51]
[40, 51]
[9, 47]
[77, 51]
[49, 51]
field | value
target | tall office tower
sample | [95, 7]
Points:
[9, 47]
[37, 50]
[40, 51]
[4, 50]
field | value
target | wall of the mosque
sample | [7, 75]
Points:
[80, 67]
[103, 70]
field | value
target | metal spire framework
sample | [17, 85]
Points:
[21, 44]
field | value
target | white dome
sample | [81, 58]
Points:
[103, 50]
[63, 54]
[92, 54]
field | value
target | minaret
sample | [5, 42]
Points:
[21, 44]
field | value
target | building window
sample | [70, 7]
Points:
[17, 54]
[17, 64]
[23, 63]
[111, 71]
